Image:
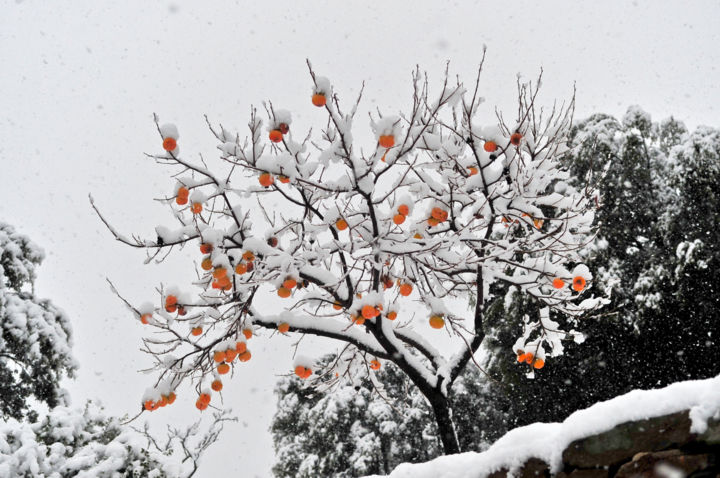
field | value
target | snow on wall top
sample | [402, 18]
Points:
[548, 440]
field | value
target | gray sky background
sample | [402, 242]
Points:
[79, 82]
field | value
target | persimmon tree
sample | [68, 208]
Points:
[378, 245]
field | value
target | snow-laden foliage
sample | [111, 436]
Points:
[35, 335]
[369, 244]
[77, 443]
[656, 255]
[358, 430]
[87, 443]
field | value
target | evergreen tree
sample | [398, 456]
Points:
[35, 335]
[654, 257]
[360, 430]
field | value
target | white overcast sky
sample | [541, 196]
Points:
[79, 81]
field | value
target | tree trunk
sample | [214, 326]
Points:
[446, 427]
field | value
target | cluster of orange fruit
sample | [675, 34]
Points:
[266, 179]
[365, 313]
[276, 134]
[437, 216]
[578, 283]
[203, 401]
[303, 372]
[172, 306]
[182, 196]
[223, 358]
[152, 405]
[402, 212]
[246, 264]
[491, 146]
[285, 290]
[530, 359]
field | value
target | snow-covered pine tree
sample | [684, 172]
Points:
[87, 443]
[358, 430]
[35, 339]
[659, 196]
[379, 246]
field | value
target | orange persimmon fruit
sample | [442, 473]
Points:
[387, 141]
[266, 180]
[276, 136]
[405, 289]
[490, 146]
[439, 214]
[341, 224]
[182, 196]
[169, 144]
[369, 312]
[223, 368]
[319, 100]
[578, 284]
[436, 322]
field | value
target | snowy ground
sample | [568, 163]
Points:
[548, 440]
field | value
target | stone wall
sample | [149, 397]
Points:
[657, 447]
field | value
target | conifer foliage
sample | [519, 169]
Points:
[35, 335]
[379, 246]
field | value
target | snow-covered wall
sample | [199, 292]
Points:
[673, 431]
